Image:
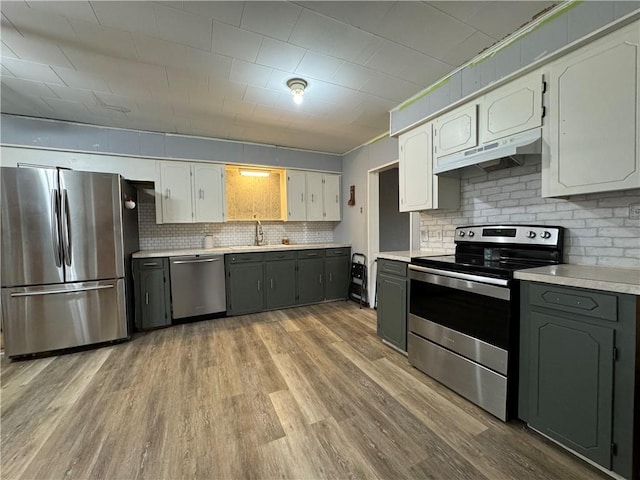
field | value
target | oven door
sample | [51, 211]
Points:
[462, 303]
[459, 331]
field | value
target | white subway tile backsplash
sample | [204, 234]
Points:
[598, 228]
[191, 235]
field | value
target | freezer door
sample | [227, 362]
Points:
[52, 317]
[31, 252]
[91, 226]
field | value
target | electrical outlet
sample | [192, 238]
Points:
[435, 234]
[634, 211]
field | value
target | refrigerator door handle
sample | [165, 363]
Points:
[55, 233]
[55, 292]
[66, 234]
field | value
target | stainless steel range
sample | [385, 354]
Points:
[464, 310]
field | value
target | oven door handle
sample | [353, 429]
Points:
[489, 287]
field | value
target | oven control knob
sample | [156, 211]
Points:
[461, 233]
[545, 235]
[471, 234]
[531, 234]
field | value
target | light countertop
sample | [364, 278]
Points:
[611, 279]
[232, 249]
[405, 255]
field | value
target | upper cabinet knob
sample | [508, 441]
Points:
[461, 233]
[545, 234]
[471, 234]
[531, 234]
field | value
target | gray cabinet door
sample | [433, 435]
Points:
[154, 311]
[310, 280]
[152, 293]
[392, 309]
[337, 277]
[245, 288]
[280, 284]
[571, 383]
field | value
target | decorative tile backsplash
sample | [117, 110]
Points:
[190, 235]
[599, 230]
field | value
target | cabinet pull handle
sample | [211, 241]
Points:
[168, 193]
[302, 197]
[312, 198]
[272, 284]
[330, 277]
[321, 278]
[336, 198]
[150, 264]
[258, 285]
[146, 298]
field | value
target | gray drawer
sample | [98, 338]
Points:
[310, 253]
[393, 267]
[575, 300]
[149, 263]
[244, 257]
[337, 252]
[286, 255]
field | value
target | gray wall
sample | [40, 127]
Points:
[394, 225]
[59, 135]
[353, 228]
[577, 20]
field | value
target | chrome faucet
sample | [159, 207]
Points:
[259, 240]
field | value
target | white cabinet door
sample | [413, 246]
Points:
[594, 117]
[175, 178]
[208, 181]
[331, 197]
[456, 130]
[512, 108]
[415, 167]
[315, 208]
[296, 195]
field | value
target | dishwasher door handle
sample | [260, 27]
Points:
[175, 262]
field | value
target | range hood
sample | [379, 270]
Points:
[502, 153]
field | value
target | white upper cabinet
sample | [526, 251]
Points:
[456, 131]
[175, 179]
[415, 166]
[296, 193]
[191, 192]
[315, 207]
[512, 108]
[313, 196]
[593, 131]
[419, 188]
[331, 197]
[208, 181]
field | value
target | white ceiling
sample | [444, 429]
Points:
[219, 69]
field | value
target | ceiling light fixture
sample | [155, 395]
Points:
[297, 86]
[253, 173]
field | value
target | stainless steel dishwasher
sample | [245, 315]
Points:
[197, 285]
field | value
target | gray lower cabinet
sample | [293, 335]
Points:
[578, 369]
[152, 292]
[280, 279]
[310, 276]
[336, 271]
[392, 286]
[245, 283]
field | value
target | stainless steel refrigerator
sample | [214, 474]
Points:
[66, 245]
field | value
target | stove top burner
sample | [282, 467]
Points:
[499, 250]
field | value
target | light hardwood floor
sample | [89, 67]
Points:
[308, 392]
